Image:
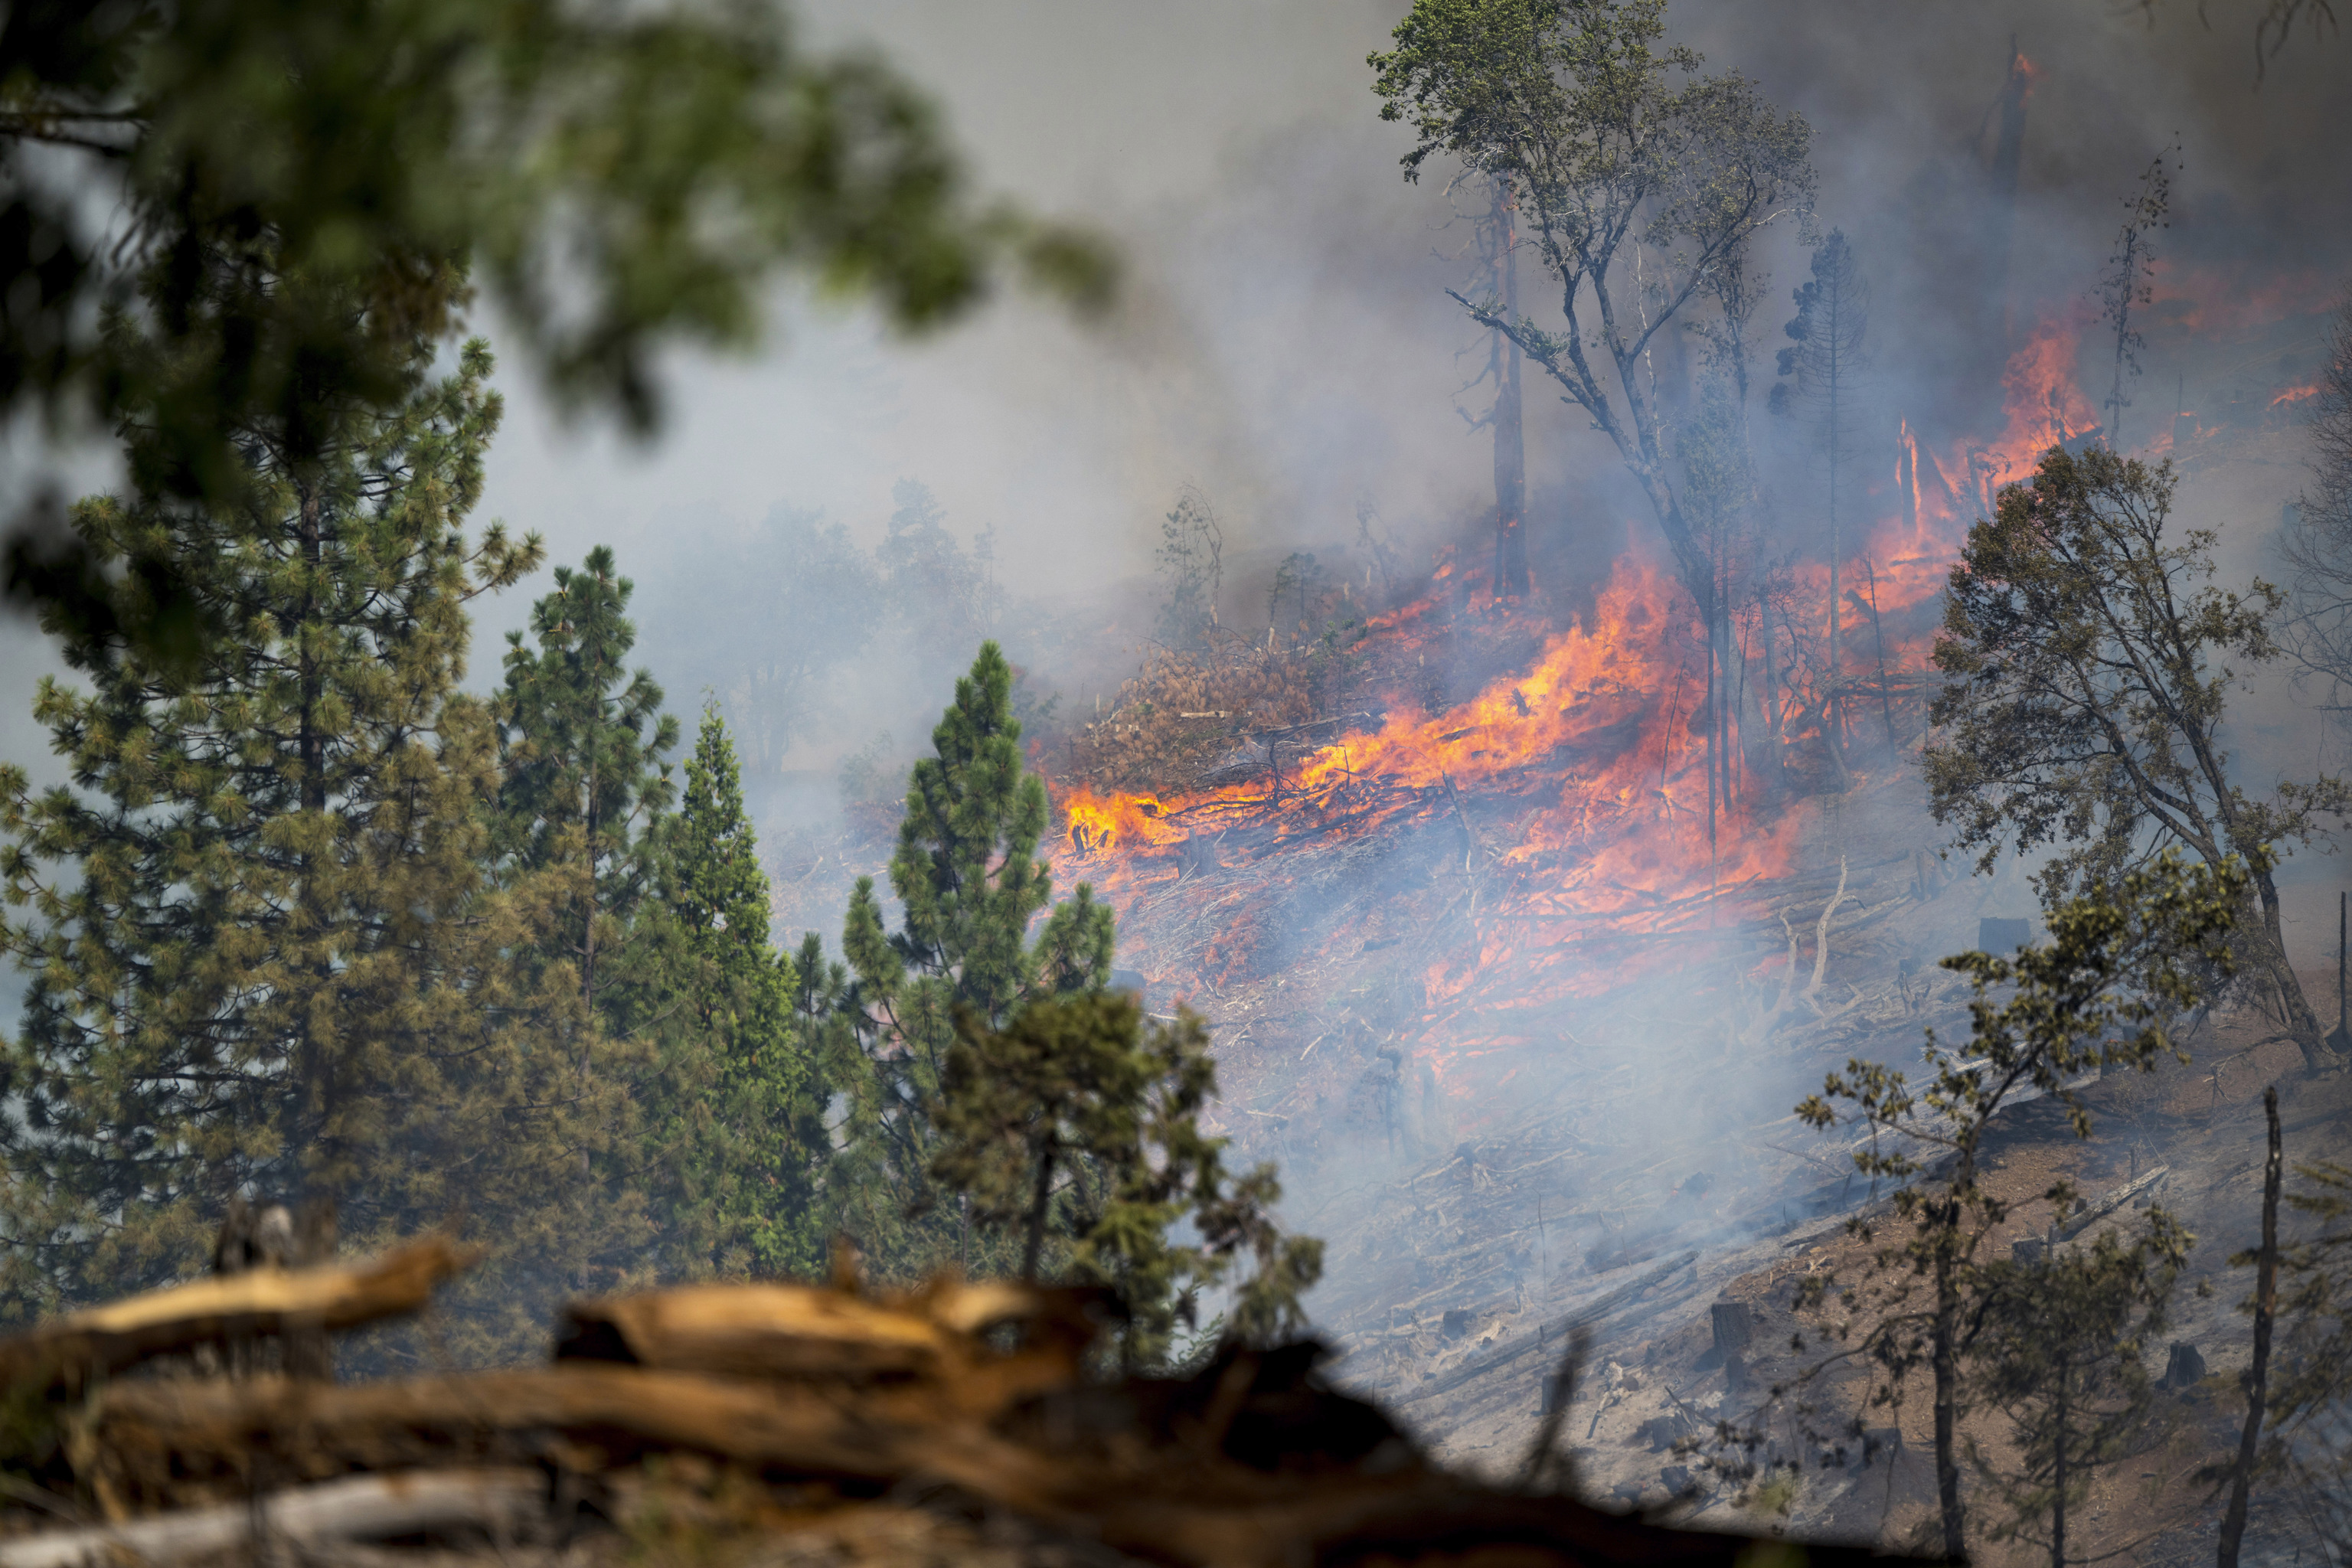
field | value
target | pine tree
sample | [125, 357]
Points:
[260, 953]
[1079, 1123]
[581, 806]
[966, 876]
[740, 1129]
[583, 738]
[2056, 1346]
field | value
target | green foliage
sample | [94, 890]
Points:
[305, 188]
[2098, 995]
[583, 791]
[1605, 137]
[968, 882]
[2090, 662]
[738, 1123]
[261, 952]
[1080, 1116]
[582, 738]
[2055, 1345]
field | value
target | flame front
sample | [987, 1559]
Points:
[1588, 775]
[1579, 781]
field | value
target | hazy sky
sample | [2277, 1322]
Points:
[1283, 342]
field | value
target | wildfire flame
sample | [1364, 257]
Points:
[1580, 780]
[1595, 734]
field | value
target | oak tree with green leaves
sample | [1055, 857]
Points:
[1636, 182]
[2121, 963]
[2091, 660]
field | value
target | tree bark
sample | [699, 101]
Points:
[2233, 1521]
[1510, 448]
[313, 1088]
[2058, 1479]
[1945, 1357]
[1034, 1248]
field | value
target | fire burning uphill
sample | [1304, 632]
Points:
[1577, 781]
[1594, 741]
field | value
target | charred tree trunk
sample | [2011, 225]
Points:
[1878, 633]
[1510, 449]
[313, 1108]
[1034, 1248]
[2242, 1478]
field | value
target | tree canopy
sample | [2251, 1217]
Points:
[1615, 151]
[216, 212]
[2092, 660]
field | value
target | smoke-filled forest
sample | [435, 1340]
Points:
[1502, 782]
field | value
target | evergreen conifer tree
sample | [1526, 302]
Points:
[1080, 1121]
[583, 739]
[2056, 1346]
[261, 954]
[740, 1129]
[966, 876]
[579, 817]
[1006, 1114]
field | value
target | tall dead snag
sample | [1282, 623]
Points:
[1824, 369]
[1499, 247]
[2091, 659]
[2266, 1261]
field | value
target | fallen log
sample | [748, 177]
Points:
[258, 1301]
[2076, 1224]
[819, 1334]
[1590, 1312]
[493, 1503]
[184, 1440]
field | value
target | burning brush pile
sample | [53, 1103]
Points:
[729, 1423]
